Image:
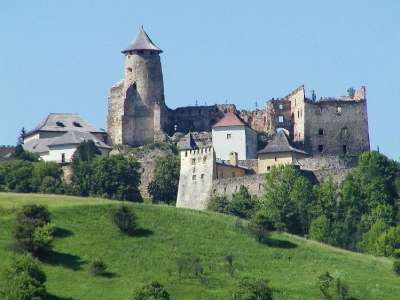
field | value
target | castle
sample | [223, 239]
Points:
[331, 132]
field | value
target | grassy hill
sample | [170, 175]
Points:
[290, 263]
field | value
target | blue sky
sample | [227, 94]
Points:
[63, 56]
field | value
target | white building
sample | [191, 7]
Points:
[231, 134]
[58, 136]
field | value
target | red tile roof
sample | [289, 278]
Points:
[230, 119]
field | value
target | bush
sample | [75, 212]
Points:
[242, 205]
[151, 291]
[32, 230]
[164, 186]
[396, 267]
[260, 225]
[24, 280]
[249, 289]
[332, 288]
[218, 203]
[125, 219]
[97, 267]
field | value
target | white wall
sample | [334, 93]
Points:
[55, 153]
[241, 137]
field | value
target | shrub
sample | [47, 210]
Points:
[249, 289]
[151, 291]
[97, 267]
[396, 267]
[218, 203]
[16, 175]
[332, 288]
[125, 219]
[24, 280]
[164, 186]
[32, 230]
[260, 225]
[230, 268]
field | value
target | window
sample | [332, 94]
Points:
[339, 110]
[185, 153]
[298, 114]
[320, 148]
[280, 106]
[193, 177]
[268, 168]
[259, 186]
[202, 176]
[193, 161]
[280, 119]
[344, 148]
[60, 124]
[63, 157]
[228, 136]
[76, 124]
[321, 131]
[276, 158]
[344, 133]
[129, 70]
[204, 159]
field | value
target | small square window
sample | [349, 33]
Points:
[202, 176]
[280, 106]
[193, 177]
[228, 136]
[320, 148]
[344, 148]
[193, 161]
[268, 168]
[321, 131]
[280, 119]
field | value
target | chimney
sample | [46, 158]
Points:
[233, 159]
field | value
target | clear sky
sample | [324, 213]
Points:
[63, 56]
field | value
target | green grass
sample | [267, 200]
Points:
[291, 264]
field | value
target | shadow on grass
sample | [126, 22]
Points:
[275, 243]
[109, 275]
[62, 233]
[142, 232]
[54, 297]
[65, 260]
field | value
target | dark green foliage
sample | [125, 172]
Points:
[320, 230]
[260, 225]
[332, 288]
[86, 151]
[288, 198]
[396, 267]
[230, 268]
[351, 92]
[242, 204]
[164, 186]
[151, 291]
[24, 280]
[21, 154]
[191, 266]
[21, 136]
[97, 267]
[124, 219]
[252, 289]
[25, 176]
[218, 203]
[32, 231]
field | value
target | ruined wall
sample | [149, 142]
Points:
[298, 114]
[326, 162]
[198, 169]
[338, 127]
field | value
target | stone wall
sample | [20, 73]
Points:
[328, 162]
[6, 151]
[228, 186]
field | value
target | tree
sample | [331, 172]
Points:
[125, 219]
[320, 229]
[151, 291]
[242, 204]
[115, 177]
[351, 92]
[287, 199]
[252, 289]
[313, 95]
[16, 176]
[164, 186]
[332, 288]
[86, 151]
[24, 279]
[21, 136]
[21, 154]
[218, 203]
[260, 225]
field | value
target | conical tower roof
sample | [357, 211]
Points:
[142, 42]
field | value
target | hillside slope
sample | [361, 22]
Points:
[291, 264]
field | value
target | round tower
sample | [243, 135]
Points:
[143, 91]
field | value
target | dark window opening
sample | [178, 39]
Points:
[202, 176]
[276, 158]
[320, 148]
[60, 124]
[194, 177]
[268, 168]
[228, 136]
[76, 124]
[321, 131]
[193, 161]
[129, 70]
[344, 148]
[63, 157]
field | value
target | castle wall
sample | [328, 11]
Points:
[337, 127]
[298, 114]
[228, 186]
[198, 169]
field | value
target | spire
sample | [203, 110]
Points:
[142, 42]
